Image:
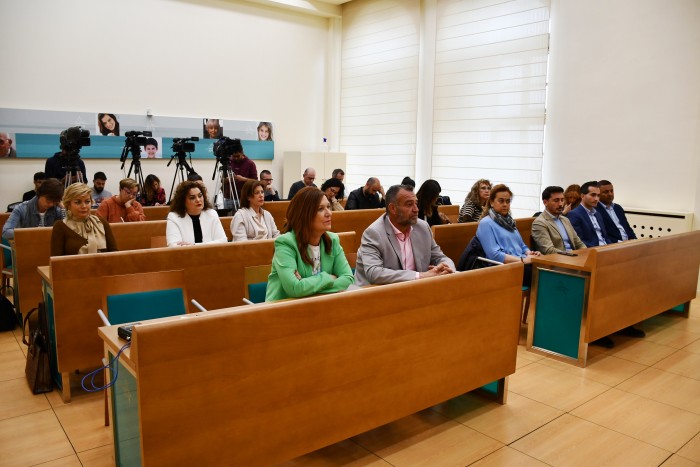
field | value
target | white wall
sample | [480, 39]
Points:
[228, 59]
[624, 100]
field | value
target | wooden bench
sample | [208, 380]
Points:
[356, 220]
[283, 379]
[3, 218]
[577, 300]
[33, 246]
[278, 210]
[451, 211]
[214, 275]
[453, 238]
[156, 213]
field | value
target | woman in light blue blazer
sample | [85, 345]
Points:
[308, 258]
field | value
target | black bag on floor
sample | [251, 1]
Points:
[38, 369]
[8, 317]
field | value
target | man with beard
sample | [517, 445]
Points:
[551, 231]
[99, 193]
[398, 246]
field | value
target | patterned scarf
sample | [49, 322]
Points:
[507, 222]
[91, 229]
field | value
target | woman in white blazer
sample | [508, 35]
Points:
[192, 220]
[251, 221]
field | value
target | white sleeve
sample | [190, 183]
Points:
[238, 227]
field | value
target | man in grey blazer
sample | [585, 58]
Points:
[398, 246]
[551, 231]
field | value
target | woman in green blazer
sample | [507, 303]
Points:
[308, 258]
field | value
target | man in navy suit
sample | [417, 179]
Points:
[587, 221]
[613, 215]
[589, 224]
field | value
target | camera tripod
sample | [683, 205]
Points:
[182, 169]
[225, 184]
[135, 164]
[72, 169]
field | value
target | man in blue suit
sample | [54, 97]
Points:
[587, 221]
[613, 215]
[589, 224]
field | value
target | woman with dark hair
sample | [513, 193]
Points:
[331, 188]
[191, 219]
[498, 234]
[572, 198]
[153, 194]
[308, 258]
[108, 124]
[80, 232]
[427, 203]
[251, 221]
[475, 201]
[264, 131]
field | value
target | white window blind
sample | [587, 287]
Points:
[379, 86]
[489, 100]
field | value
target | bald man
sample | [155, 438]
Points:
[307, 180]
[367, 197]
[6, 149]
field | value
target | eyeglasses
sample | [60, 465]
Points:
[265, 179]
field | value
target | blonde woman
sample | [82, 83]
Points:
[80, 232]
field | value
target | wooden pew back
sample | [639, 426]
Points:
[3, 218]
[656, 275]
[32, 249]
[356, 220]
[156, 213]
[33, 246]
[214, 275]
[451, 211]
[284, 379]
[454, 238]
[278, 210]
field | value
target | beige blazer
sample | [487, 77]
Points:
[546, 235]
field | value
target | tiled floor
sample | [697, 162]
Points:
[637, 404]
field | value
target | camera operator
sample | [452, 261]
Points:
[57, 166]
[54, 167]
[243, 168]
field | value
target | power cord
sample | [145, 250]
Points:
[90, 377]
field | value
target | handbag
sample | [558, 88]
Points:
[38, 370]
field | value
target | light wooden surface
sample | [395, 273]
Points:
[287, 378]
[213, 276]
[33, 249]
[156, 213]
[278, 210]
[638, 279]
[634, 280]
[3, 218]
[580, 262]
[356, 220]
[45, 273]
[451, 211]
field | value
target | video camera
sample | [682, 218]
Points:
[184, 144]
[73, 139]
[133, 142]
[225, 147]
